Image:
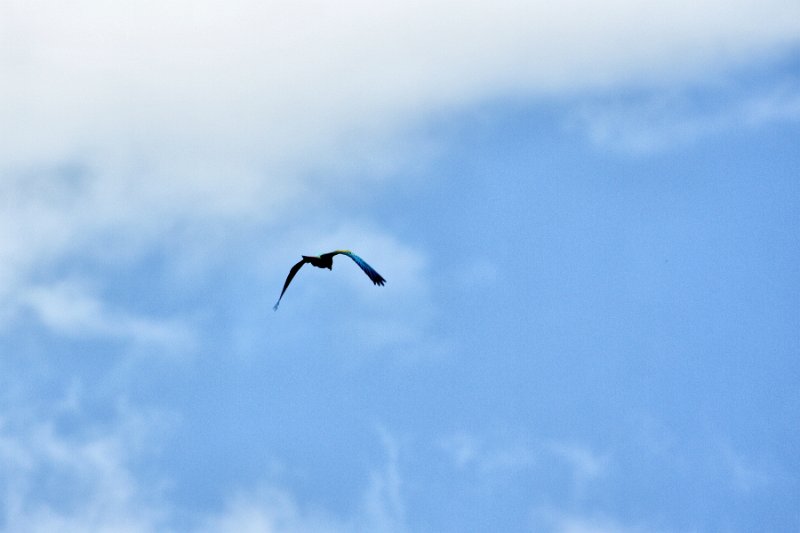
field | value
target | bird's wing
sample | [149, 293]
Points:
[376, 278]
[289, 278]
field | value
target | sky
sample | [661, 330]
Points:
[586, 214]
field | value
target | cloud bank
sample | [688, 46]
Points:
[128, 118]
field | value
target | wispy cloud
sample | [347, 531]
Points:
[658, 121]
[270, 510]
[586, 464]
[559, 522]
[468, 451]
[745, 474]
[462, 449]
[57, 481]
[54, 478]
[383, 507]
[274, 510]
[69, 308]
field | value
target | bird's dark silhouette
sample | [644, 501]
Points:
[326, 261]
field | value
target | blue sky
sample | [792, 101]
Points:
[586, 214]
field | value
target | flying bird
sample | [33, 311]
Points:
[326, 261]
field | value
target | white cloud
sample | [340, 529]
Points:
[658, 121]
[468, 451]
[586, 464]
[383, 508]
[557, 522]
[273, 510]
[68, 308]
[269, 511]
[193, 88]
[58, 477]
[462, 448]
[129, 119]
[54, 481]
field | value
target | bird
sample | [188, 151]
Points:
[326, 261]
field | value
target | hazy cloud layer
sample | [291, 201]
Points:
[125, 119]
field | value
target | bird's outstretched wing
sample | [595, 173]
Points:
[289, 278]
[376, 278]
